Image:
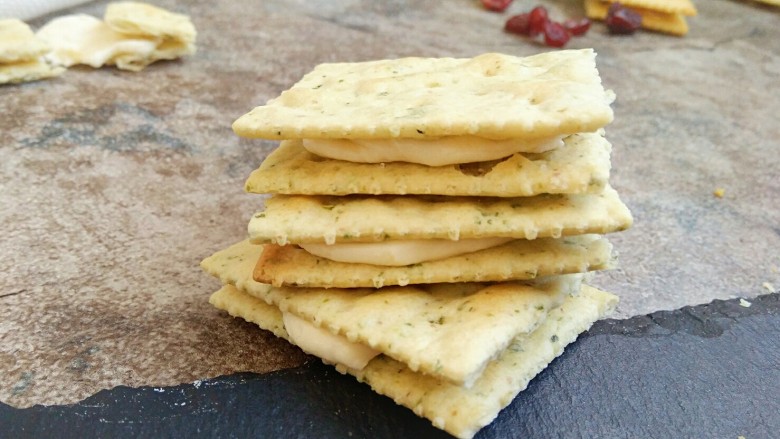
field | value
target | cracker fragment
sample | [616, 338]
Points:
[343, 219]
[674, 24]
[21, 54]
[18, 42]
[672, 7]
[581, 166]
[26, 71]
[458, 410]
[175, 34]
[517, 260]
[421, 327]
[135, 18]
[539, 96]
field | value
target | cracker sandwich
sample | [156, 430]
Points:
[431, 224]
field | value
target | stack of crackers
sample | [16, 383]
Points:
[21, 54]
[666, 16]
[431, 223]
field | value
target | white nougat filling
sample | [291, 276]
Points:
[400, 253]
[435, 152]
[326, 345]
[83, 39]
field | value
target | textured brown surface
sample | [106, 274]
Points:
[116, 184]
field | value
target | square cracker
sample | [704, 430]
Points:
[492, 95]
[580, 166]
[674, 24]
[517, 260]
[458, 410]
[418, 326]
[306, 219]
[18, 43]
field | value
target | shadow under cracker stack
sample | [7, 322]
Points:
[432, 224]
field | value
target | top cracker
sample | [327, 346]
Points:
[492, 95]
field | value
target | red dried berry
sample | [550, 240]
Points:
[537, 18]
[496, 5]
[622, 20]
[577, 26]
[555, 35]
[518, 24]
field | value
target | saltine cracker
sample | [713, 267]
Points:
[419, 326]
[581, 165]
[520, 259]
[458, 410]
[343, 219]
[539, 96]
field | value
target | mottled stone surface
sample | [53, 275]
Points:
[115, 184]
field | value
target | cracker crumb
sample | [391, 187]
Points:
[719, 192]
[769, 287]
[744, 303]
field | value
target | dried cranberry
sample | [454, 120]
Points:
[519, 24]
[555, 35]
[538, 17]
[622, 20]
[577, 26]
[496, 5]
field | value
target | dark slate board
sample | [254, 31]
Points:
[706, 371]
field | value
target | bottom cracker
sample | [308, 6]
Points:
[460, 411]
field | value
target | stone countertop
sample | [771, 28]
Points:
[116, 184]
